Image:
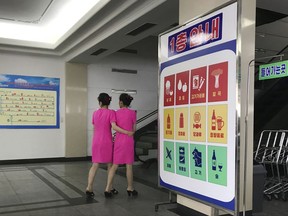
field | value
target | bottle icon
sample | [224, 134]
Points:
[181, 121]
[168, 122]
[213, 122]
[214, 162]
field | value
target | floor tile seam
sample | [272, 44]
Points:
[12, 169]
[53, 187]
[32, 203]
[33, 206]
[69, 185]
[61, 185]
[73, 201]
[14, 190]
[34, 209]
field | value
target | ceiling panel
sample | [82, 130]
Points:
[264, 16]
[30, 11]
[271, 35]
[271, 42]
[278, 28]
[260, 56]
[279, 6]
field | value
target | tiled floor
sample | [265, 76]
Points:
[269, 208]
[57, 189]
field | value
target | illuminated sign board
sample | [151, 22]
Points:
[197, 108]
[274, 70]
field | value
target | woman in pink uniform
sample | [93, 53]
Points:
[102, 145]
[124, 144]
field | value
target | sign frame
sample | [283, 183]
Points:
[185, 56]
[29, 102]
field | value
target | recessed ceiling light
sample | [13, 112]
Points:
[260, 50]
[261, 35]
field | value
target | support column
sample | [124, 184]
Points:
[76, 110]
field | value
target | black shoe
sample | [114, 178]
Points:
[89, 194]
[114, 191]
[108, 194]
[132, 193]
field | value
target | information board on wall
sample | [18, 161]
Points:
[197, 108]
[29, 102]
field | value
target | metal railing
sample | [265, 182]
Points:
[143, 132]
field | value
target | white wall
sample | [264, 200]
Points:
[102, 79]
[33, 143]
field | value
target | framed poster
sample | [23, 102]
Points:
[29, 102]
[197, 108]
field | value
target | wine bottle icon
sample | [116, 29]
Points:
[214, 162]
[213, 121]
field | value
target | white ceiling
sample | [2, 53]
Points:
[43, 23]
[104, 29]
[272, 38]
[29, 11]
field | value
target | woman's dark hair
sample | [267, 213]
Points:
[104, 98]
[126, 99]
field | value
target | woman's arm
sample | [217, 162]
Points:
[134, 127]
[118, 129]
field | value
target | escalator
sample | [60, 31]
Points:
[270, 105]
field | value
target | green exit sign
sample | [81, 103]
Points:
[272, 71]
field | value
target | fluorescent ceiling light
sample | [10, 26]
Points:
[59, 21]
[120, 91]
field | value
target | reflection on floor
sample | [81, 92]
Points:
[144, 173]
[58, 189]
